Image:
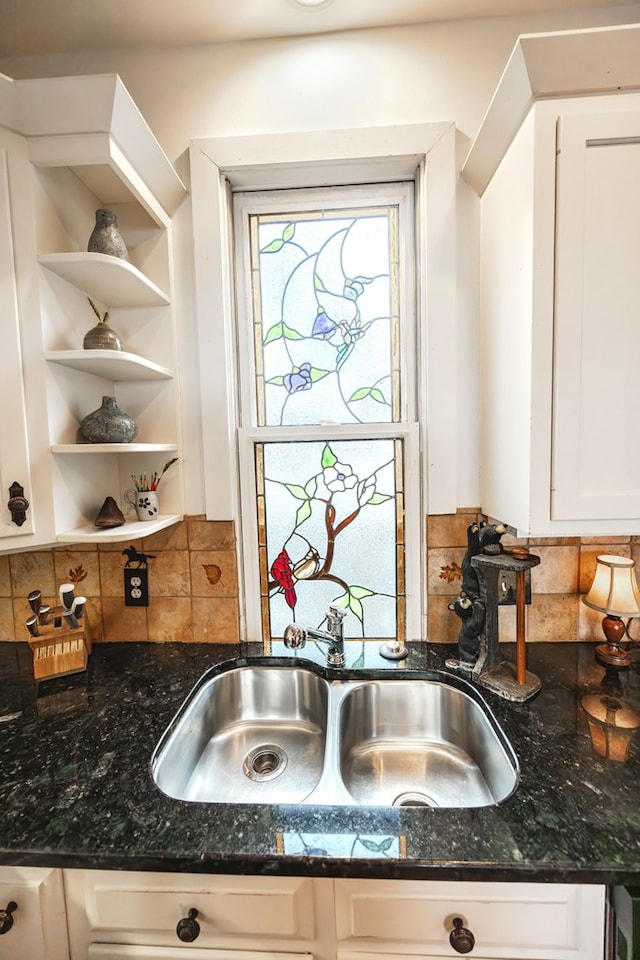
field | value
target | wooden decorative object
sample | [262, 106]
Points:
[61, 650]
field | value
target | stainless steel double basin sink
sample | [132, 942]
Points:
[288, 733]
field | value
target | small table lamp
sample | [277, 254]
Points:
[615, 593]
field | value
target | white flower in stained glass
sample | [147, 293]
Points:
[339, 477]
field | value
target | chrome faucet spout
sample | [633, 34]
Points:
[295, 636]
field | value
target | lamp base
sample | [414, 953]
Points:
[611, 653]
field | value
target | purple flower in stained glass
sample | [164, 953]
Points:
[298, 379]
[323, 326]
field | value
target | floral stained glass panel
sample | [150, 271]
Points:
[330, 530]
[325, 309]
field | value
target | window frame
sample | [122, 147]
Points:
[219, 166]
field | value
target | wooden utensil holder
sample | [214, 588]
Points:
[61, 650]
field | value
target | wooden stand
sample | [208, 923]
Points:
[492, 670]
[61, 650]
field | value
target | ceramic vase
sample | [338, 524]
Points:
[105, 236]
[108, 424]
[101, 337]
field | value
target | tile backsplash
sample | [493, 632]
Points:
[564, 574]
[193, 585]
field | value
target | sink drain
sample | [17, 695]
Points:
[264, 762]
[412, 799]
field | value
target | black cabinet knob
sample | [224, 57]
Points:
[188, 928]
[6, 919]
[18, 504]
[460, 938]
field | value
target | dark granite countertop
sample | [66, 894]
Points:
[76, 790]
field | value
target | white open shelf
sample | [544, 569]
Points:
[116, 365]
[131, 530]
[114, 282]
[93, 448]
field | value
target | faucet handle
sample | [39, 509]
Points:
[295, 636]
[335, 616]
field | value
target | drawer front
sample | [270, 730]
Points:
[39, 921]
[556, 921]
[231, 911]
[127, 951]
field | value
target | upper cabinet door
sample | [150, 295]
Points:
[595, 448]
[14, 451]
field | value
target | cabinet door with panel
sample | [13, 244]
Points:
[32, 914]
[25, 508]
[136, 912]
[378, 919]
[596, 461]
[555, 166]
[560, 309]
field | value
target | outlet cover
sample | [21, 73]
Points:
[507, 587]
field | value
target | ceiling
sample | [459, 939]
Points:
[65, 26]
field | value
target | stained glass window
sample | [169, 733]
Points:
[325, 313]
[332, 531]
[323, 397]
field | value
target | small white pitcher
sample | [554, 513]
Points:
[145, 503]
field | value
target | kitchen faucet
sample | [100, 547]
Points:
[295, 636]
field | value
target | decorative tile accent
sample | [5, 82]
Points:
[80, 568]
[213, 573]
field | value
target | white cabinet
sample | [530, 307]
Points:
[38, 925]
[560, 286]
[114, 915]
[76, 162]
[382, 919]
[21, 428]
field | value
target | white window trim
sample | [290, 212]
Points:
[423, 152]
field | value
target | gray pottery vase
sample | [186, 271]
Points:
[105, 236]
[101, 337]
[108, 424]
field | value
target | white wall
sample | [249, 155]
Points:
[416, 74]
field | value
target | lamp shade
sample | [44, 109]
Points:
[614, 590]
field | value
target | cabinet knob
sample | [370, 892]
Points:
[6, 920]
[461, 939]
[188, 928]
[18, 504]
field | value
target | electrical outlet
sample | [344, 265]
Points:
[507, 587]
[136, 587]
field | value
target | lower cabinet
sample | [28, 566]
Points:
[380, 920]
[33, 922]
[113, 915]
[117, 915]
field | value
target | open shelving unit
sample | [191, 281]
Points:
[112, 161]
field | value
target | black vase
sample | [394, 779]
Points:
[108, 424]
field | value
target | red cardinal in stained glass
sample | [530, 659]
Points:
[281, 572]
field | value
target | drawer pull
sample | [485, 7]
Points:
[6, 920]
[461, 939]
[18, 504]
[188, 928]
